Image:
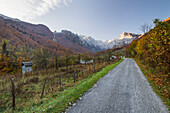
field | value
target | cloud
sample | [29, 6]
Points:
[29, 9]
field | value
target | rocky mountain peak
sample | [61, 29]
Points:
[125, 35]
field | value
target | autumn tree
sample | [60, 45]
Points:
[57, 61]
[153, 47]
[41, 57]
[67, 58]
[87, 57]
[7, 64]
[4, 50]
[79, 57]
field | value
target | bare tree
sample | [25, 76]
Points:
[145, 27]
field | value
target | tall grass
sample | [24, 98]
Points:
[28, 87]
[60, 101]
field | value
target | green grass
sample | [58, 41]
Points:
[28, 90]
[158, 91]
[61, 101]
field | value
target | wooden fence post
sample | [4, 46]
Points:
[43, 88]
[77, 68]
[82, 69]
[74, 75]
[103, 62]
[89, 68]
[13, 94]
[94, 66]
[59, 72]
[60, 80]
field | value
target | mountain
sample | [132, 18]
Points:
[126, 35]
[81, 43]
[21, 34]
[70, 40]
[98, 45]
[6, 17]
[95, 45]
[38, 29]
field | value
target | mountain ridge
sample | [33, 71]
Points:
[92, 44]
[65, 38]
[125, 38]
[22, 35]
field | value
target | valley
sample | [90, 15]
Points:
[58, 78]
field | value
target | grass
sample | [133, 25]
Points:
[61, 101]
[160, 86]
[28, 87]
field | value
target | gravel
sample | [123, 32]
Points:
[123, 90]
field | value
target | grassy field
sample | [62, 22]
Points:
[158, 81]
[61, 101]
[28, 87]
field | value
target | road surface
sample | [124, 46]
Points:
[123, 90]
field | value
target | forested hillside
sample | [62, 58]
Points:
[19, 34]
[70, 40]
[22, 42]
[153, 47]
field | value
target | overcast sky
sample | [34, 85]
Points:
[101, 19]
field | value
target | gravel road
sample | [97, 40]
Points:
[123, 90]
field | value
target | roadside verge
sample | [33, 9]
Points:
[157, 81]
[60, 102]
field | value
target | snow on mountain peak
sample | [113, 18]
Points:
[126, 35]
[97, 45]
[125, 38]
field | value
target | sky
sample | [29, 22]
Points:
[100, 19]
